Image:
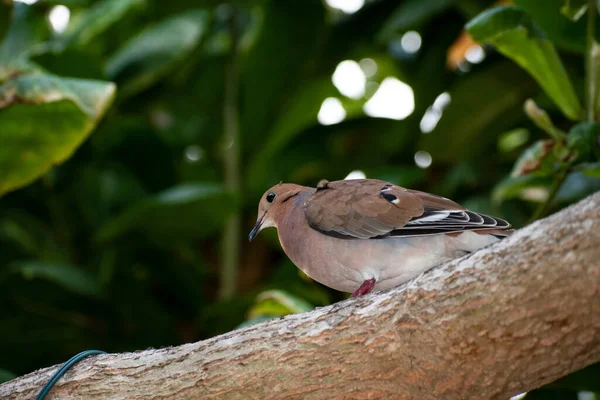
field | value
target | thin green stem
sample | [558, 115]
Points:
[231, 136]
[542, 209]
[590, 62]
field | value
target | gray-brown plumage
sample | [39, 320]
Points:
[356, 235]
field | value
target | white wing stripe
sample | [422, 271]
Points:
[437, 216]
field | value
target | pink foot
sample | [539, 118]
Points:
[365, 288]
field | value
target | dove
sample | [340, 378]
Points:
[365, 235]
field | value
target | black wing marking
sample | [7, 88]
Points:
[433, 222]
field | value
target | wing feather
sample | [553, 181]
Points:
[371, 208]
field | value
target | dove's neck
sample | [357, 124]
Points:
[293, 230]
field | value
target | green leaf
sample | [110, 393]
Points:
[17, 67]
[582, 139]
[67, 276]
[574, 9]
[278, 302]
[562, 31]
[515, 35]
[92, 97]
[542, 120]
[409, 15]
[150, 55]
[44, 118]
[577, 185]
[528, 187]
[182, 212]
[590, 169]
[28, 28]
[97, 19]
[538, 160]
[513, 139]
[275, 303]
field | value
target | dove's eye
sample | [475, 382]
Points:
[270, 197]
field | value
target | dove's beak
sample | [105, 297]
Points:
[256, 228]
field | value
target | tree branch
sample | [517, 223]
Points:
[501, 321]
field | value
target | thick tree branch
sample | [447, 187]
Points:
[504, 320]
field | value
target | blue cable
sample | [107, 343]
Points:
[62, 370]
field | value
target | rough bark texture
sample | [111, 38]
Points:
[498, 322]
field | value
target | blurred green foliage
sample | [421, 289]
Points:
[113, 194]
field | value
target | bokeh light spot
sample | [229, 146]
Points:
[368, 66]
[357, 174]
[347, 6]
[394, 100]
[59, 18]
[475, 54]
[423, 159]
[349, 79]
[193, 153]
[411, 42]
[331, 112]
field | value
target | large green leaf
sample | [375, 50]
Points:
[515, 35]
[553, 17]
[44, 118]
[147, 57]
[182, 212]
[12, 68]
[69, 277]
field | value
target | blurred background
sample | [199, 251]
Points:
[137, 136]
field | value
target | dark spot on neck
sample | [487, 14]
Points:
[290, 196]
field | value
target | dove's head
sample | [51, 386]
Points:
[273, 205]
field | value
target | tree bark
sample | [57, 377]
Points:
[504, 320]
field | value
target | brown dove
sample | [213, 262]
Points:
[366, 234]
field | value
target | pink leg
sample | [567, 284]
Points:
[365, 288]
